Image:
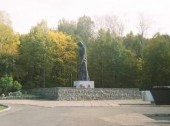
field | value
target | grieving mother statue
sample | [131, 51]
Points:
[84, 76]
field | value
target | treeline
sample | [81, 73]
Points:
[41, 58]
[47, 57]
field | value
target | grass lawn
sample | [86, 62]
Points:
[2, 107]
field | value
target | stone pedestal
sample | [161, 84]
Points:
[84, 84]
[147, 96]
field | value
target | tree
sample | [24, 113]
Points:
[47, 57]
[112, 23]
[97, 58]
[68, 27]
[65, 58]
[84, 29]
[133, 43]
[34, 59]
[9, 43]
[156, 67]
[111, 65]
[80, 31]
[144, 25]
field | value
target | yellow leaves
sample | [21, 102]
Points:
[9, 41]
[58, 36]
[64, 45]
[11, 48]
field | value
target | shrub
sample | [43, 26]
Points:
[16, 86]
[7, 84]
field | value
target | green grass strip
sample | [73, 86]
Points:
[2, 107]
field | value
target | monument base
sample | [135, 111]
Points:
[84, 84]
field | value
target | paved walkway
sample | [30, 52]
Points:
[96, 103]
[81, 113]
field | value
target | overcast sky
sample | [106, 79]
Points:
[26, 13]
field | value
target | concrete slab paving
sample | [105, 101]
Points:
[130, 119]
[81, 113]
[53, 103]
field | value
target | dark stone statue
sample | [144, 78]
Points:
[84, 76]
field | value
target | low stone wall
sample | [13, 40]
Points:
[87, 94]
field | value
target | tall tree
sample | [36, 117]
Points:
[156, 56]
[112, 23]
[9, 42]
[34, 60]
[111, 65]
[134, 44]
[65, 58]
[84, 29]
[144, 25]
[68, 27]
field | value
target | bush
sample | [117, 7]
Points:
[7, 84]
[16, 86]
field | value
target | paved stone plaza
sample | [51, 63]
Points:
[83, 113]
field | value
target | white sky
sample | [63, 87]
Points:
[26, 13]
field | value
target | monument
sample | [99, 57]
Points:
[84, 79]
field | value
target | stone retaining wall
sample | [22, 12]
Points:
[87, 94]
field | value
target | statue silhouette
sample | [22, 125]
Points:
[84, 76]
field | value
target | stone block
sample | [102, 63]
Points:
[84, 84]
[70, 93]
